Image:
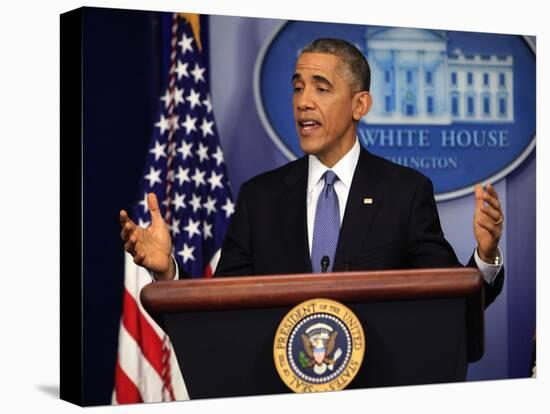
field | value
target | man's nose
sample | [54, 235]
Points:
[305, 100]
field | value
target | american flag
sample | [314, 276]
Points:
[185, 168]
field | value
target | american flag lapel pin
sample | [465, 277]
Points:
[367, 200]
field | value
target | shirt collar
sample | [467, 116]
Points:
[344, 168]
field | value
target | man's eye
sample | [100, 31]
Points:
[322, 89]
[297, 88]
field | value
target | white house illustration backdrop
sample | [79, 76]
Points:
[416, 80]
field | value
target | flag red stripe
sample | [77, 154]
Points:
[208, 271]
[143, 333]
[125, 389]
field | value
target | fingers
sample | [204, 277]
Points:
[488, 220]
[131, 245]
[128, 227]
[489, 225]
[479, 196]
[491, 190]
[123, 217]
[153, 205]
[130, 234]
[489, 213]
[135, 248]
[139, 259]
[487, 202]
[491, 197]
[494, 214]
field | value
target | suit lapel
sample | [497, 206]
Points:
[360, 211]
[293, 211]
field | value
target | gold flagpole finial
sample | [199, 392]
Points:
[194, 21]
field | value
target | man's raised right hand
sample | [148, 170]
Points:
[151, 247]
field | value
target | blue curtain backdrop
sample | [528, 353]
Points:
[123, 75]
[125, 63]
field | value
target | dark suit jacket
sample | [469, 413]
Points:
[399, 230]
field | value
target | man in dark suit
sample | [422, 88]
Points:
[337, 208]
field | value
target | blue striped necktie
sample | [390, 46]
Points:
[326, 227]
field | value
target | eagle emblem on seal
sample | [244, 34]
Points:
[319, 342]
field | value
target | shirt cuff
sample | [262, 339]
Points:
[488, 270]
[177, 275]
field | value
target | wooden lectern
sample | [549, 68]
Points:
[421, 326]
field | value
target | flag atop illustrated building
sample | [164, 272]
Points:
[185, 168]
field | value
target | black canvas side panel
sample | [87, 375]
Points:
[71, 207]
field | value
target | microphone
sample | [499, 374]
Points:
[325, 263]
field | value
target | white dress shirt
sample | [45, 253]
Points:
[344, 170]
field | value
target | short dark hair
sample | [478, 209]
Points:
[354, 61]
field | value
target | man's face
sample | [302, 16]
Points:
[323, 107]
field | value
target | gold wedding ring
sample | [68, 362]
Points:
[500, 220]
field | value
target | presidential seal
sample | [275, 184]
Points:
[319, 346]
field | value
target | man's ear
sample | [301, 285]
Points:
[362, 103]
